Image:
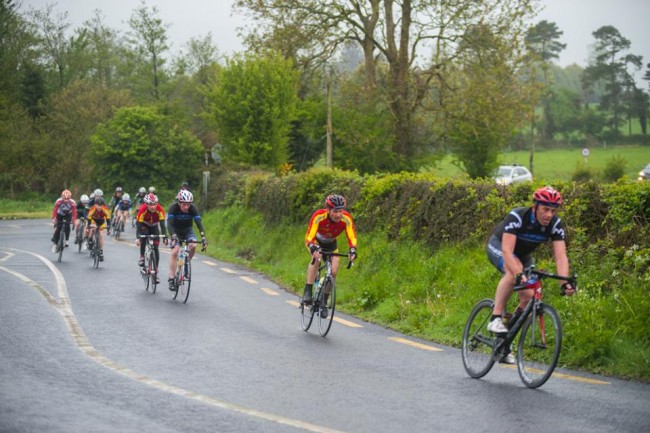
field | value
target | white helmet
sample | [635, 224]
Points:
[126, 196]
[99, 193]
[84, 199]
[184, 196]
[142, 190]
[152, 189]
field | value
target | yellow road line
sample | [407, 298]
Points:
[294, 303]
[209, 263]
[248, 279]
[228, 271]
[347, 322]
[415, 344]
[269, 291]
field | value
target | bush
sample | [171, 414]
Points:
[614, 169]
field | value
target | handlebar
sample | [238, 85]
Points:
[540, 274]
[327, 253]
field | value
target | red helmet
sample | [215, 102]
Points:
[335, 201]
[547, 196]
[150, 198]
[66, 194]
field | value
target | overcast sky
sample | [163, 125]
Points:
[195, 18]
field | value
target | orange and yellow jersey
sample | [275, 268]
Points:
[99, 213]
[322, 229]
[151, 219]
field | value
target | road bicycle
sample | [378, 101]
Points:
[183, 276]
[79, 233]
[118, 227]
[538, 349]
[324, 300]
[149, 271]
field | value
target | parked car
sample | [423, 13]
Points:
[507, 174]
[645, 173]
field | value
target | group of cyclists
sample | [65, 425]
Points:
[509, 248]
[150, 219]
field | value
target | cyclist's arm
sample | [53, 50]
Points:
[561, 259]
[350, 231]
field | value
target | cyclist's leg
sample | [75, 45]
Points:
[507, 282]
[57, 229]
[144, 230]
[191, 239]
[67, 220]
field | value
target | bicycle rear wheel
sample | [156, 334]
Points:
[478, 342]
[145, 272]
[539, 346]
[79, 237]
[117, 229]
[326, 307]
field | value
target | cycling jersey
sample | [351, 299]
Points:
[99, 214]
[65, 208]
[115, 199]
[530, 233]
[322, 229]
[122, 205]
[181, 222]
[151, 219]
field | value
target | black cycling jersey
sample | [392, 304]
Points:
[179, 221]
[530, 233]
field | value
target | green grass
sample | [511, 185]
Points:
[29, 208]
[560, 164]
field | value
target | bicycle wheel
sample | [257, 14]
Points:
[117, 229]
[307, 311]
[539, 346]
[152, 270]
[184, 288]
[326, 307]
[61, 243]
[478, 342]
[78, 238]
[178, 278]
[145, 271]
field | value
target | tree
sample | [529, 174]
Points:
[141, 145]
[148, 38]
[102, 50]
[389, 32]
[611, 67]
[487, 101]
[252, 104]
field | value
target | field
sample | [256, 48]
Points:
[560, 164]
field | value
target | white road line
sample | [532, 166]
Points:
[7, 257]
[336, 319]
[81, 340]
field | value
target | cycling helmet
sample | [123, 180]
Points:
[99, 193]
[150, 199]
[142, 190]
[92, 195]
[152, 189]
[185, 185]
[547, 196]
[84, 199]
[184, 196]
[99, 201]
[335, 201]
[66, 194]
[118, 189]
[126, 196]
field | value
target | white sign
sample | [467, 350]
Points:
[585, 152]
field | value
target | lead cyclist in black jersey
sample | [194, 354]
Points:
[180, 220]
[510, 247]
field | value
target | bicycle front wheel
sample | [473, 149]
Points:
[307, 313]
[184, 288]
[152, 270]
[327, 306]
[61, 243]
[539, 346]
[478, 343]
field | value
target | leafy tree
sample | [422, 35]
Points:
[486, 104]
[141, 145]
[148, 38]
[15, 43]
[252, 104]
[103, 50]
[389, 32]
[611, 67]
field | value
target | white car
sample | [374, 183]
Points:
[507, 174]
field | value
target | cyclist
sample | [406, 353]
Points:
[97, 193]
[149, 216]
[123, 209]
[65, 211]
[152, 190]
[82, 212]
[324, 227]
[115, 199]
[510, 247]
[98, 215]
[139, 197]
[180, 219]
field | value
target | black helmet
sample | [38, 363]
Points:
[335, 201]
